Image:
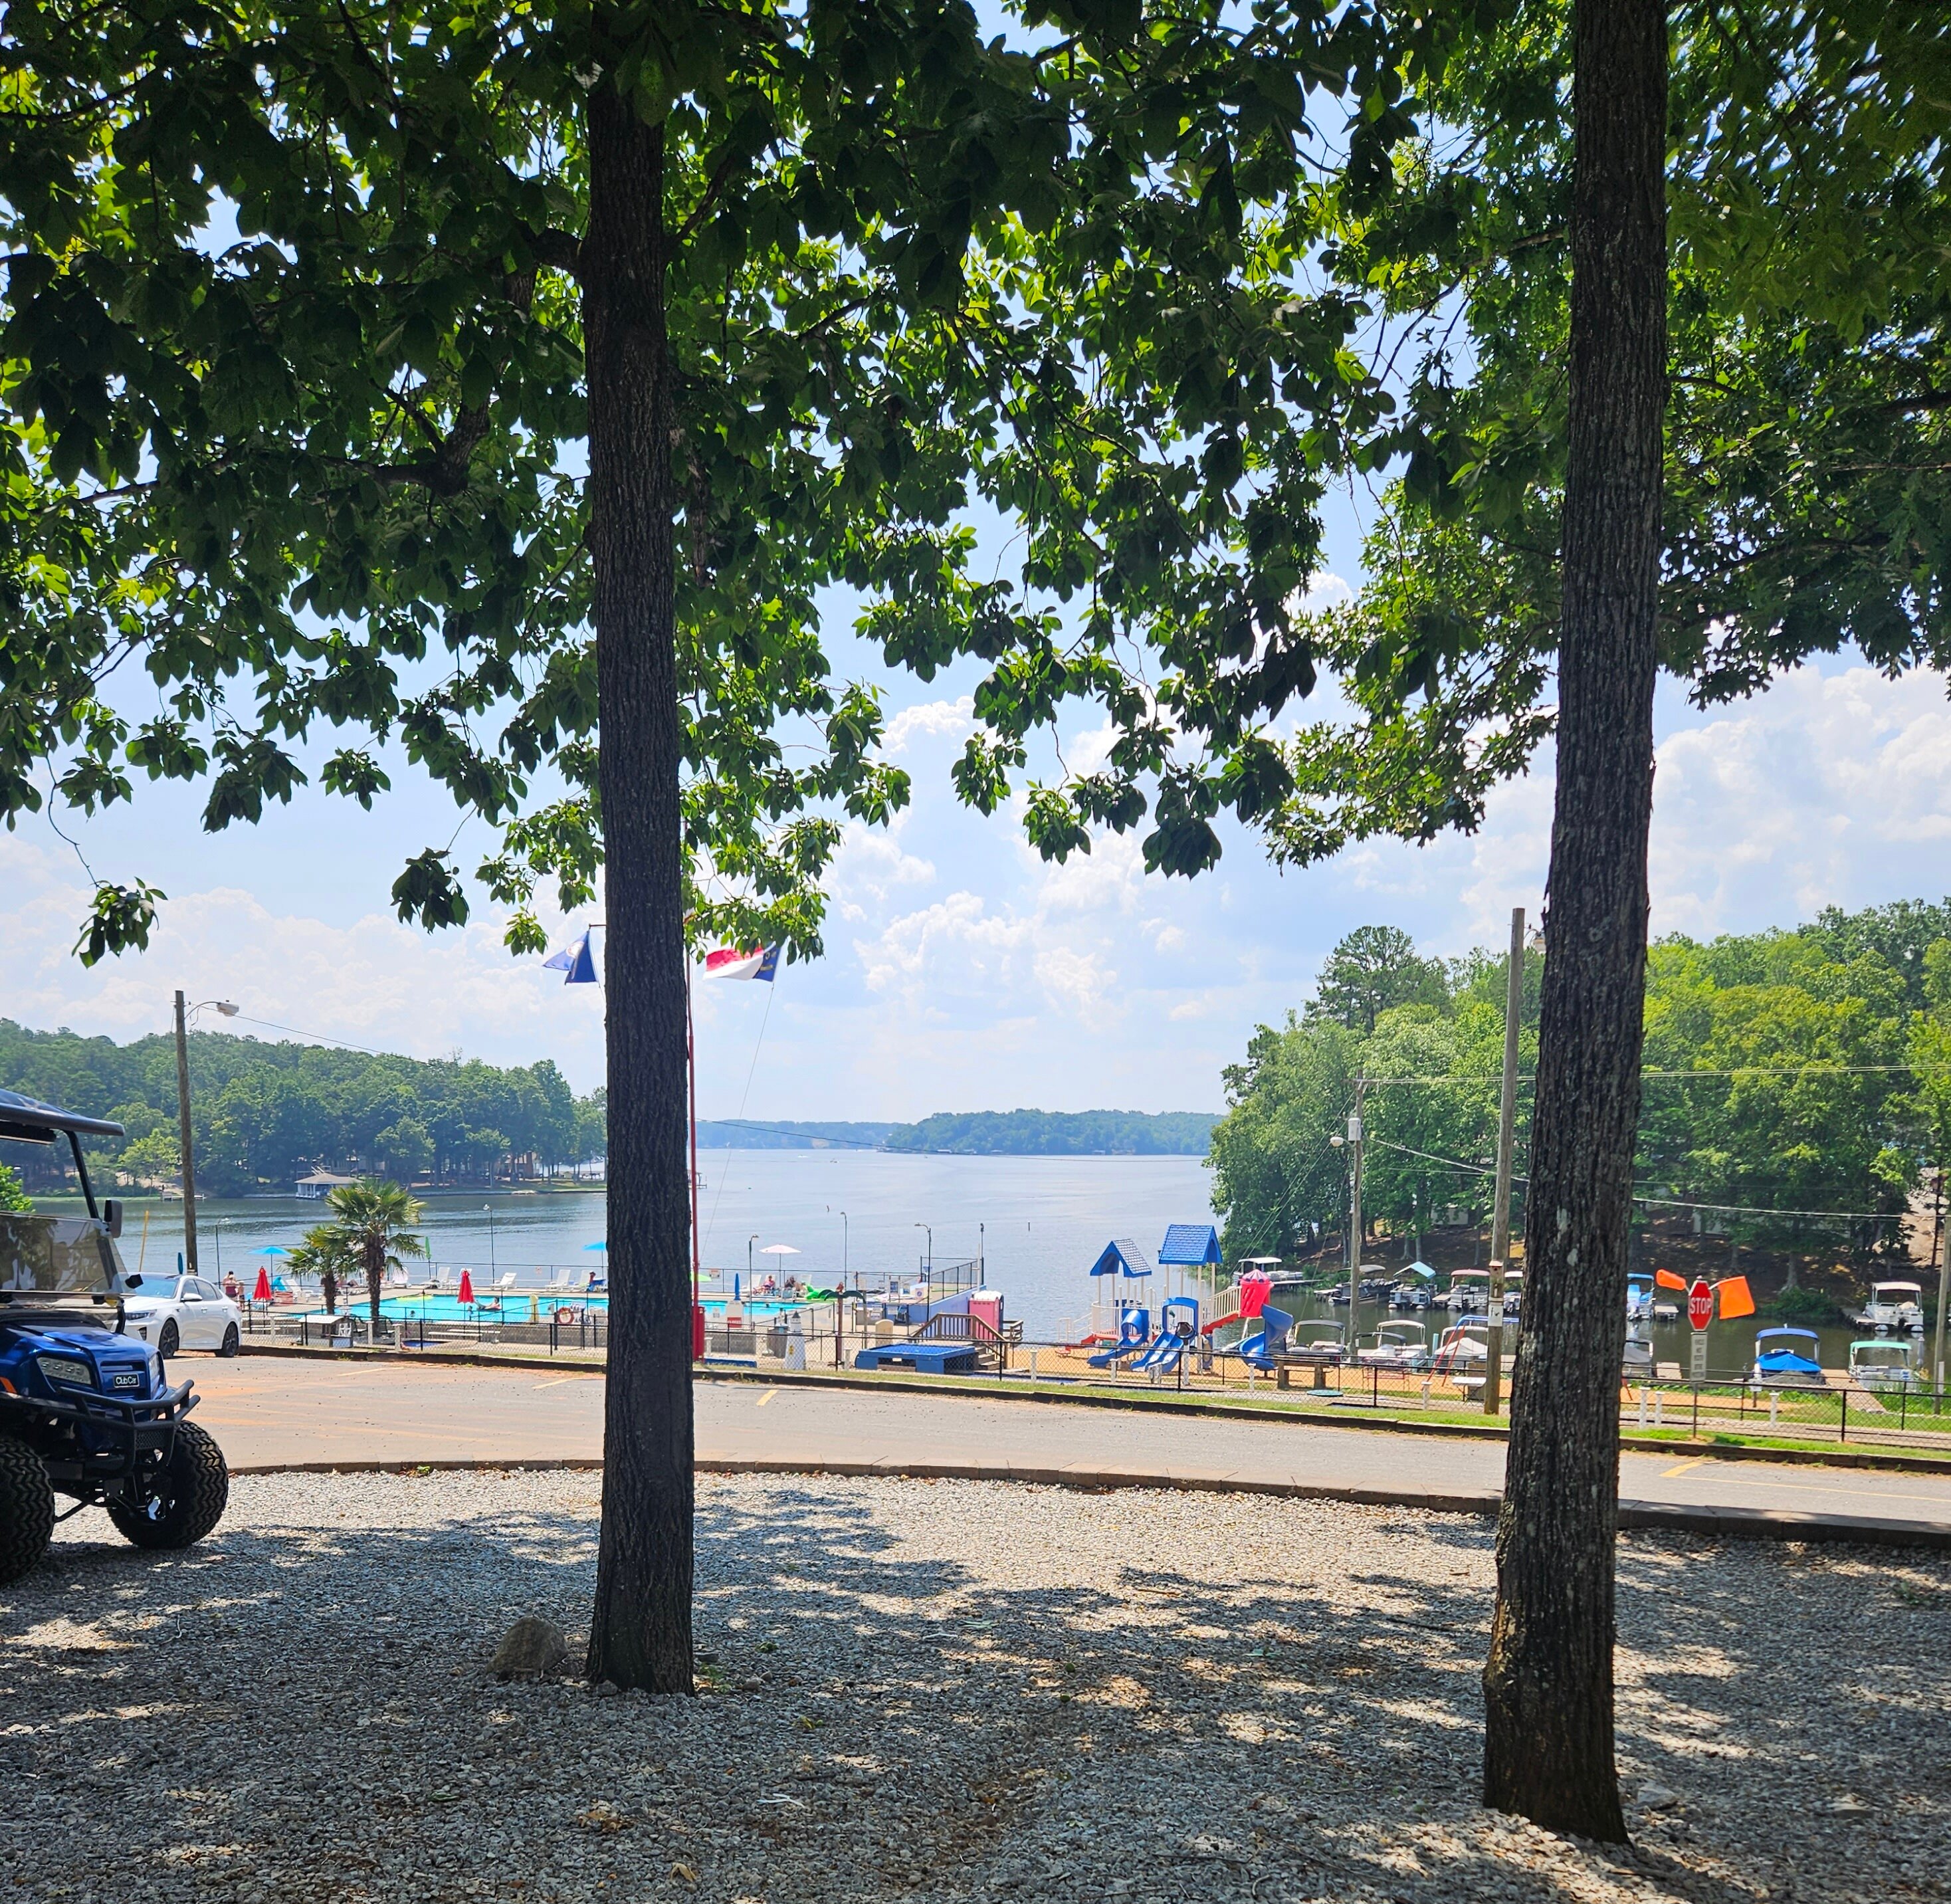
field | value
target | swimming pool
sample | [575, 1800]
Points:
[531, 1305]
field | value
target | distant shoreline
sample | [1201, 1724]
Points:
[1014, 1134]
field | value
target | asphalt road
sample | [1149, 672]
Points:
[278, 1411]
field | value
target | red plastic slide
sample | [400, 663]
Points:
[1219, 1322]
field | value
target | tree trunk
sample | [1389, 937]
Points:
[329, 1287]
[1548, 1683]
[640, 1635]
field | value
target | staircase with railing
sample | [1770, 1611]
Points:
[991, 1346]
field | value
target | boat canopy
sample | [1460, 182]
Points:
[1915, 1288]
[1122, 1257]
[1419, 1268]
[1807, 1335]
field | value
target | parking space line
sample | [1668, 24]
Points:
[765, 1397]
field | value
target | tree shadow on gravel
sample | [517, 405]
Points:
[304, 1709]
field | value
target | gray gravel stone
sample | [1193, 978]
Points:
[944, 1691]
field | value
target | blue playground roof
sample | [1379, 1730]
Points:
[1194, 1244]
[1122, 1257]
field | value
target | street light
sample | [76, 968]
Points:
[930, 1229]
[749, 1241]
[843, 1248]
[184, 1015]
[488, 1211]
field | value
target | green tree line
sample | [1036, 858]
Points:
[1786, 1072]
[1059, 1133]
[266, 1114]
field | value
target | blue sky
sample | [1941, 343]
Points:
[962, 973]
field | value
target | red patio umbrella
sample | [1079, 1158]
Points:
[262, 1294]
[467, 1287]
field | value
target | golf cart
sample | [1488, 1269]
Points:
[86, 1409]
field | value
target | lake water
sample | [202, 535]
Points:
[1039, 1223]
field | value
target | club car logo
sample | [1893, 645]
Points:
[131, 1379]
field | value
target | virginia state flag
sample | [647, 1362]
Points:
[576, 961]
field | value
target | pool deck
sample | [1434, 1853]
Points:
[284, 1412]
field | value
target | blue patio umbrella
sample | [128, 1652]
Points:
[596, 1246]
[272, 1250]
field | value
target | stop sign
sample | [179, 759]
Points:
[1700, 1304]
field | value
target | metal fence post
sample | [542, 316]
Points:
[1843, 1425]
[1696, 1412]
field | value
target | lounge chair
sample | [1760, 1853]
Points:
[507, 1280]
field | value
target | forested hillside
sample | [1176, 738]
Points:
[266, 1114]
[1059, 1133]
[1798, 1083]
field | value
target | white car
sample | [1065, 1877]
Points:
[184, 1312]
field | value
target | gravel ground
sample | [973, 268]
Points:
[952, 1690]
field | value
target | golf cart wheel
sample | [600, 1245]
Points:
[230, 1346]
[169, 1339]
[26, 1509]
[189, 1500]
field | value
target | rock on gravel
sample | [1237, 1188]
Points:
[956, 1690]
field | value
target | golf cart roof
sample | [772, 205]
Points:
[26, 1120]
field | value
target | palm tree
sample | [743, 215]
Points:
[375, 1221]
[326, 1253]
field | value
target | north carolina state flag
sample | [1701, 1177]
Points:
[729, 963]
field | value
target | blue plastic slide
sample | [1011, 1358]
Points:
[1135, 1337]
[1171, 1342]
[1258, 1351]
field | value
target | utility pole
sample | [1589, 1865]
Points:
[1500, 1211]
[189, 1169]
[1943, 1295]
[1355, 1219]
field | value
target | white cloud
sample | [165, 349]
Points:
[1326, 590]
[1833, 788]
[373, 982]
[932, 720]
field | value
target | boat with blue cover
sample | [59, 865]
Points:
[1788, 1358]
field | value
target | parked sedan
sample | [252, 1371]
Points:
[184, 1312]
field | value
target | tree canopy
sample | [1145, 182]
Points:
[1787, 1071]
[267, 1113]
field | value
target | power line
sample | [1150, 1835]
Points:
[317, 1037]
[1664, 1202]
[1819, 1066]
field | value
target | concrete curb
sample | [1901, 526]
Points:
[1166, 1403]
[1715, 1523]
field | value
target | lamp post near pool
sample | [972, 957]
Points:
[843, 1249]
[488, 1210]
[930, 1228]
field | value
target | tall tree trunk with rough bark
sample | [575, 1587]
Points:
[1548, 1684]
[640, 1635]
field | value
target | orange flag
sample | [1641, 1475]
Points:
[1736, 1299]
[1668, 1280]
